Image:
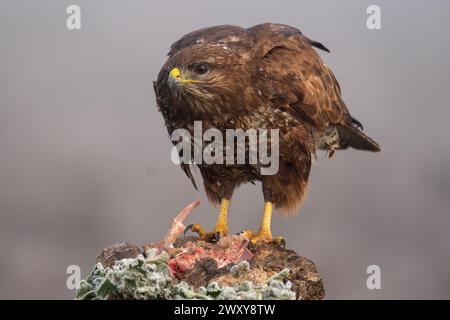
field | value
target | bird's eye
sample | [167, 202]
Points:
[201, 68]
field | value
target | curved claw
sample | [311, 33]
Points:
[189, 227]
[279, 241]
[257, 237]
[248, 233]
[217, 236]
[197, 228]
[212, 236]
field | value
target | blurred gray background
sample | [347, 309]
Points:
[85, 157]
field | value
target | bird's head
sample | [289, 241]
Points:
[195, 77]
[203, 77]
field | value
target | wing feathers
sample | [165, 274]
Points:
[295, 70]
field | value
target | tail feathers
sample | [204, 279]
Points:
[351, 136]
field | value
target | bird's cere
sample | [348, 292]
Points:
[175, 73]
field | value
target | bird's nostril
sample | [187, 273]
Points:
[175, 73]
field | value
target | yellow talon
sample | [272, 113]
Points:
[221, 228]
[197, 228]
[264, 235]
[257, 237]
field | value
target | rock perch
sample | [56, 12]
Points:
[190, 268]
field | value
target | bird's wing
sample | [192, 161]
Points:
[295, 77]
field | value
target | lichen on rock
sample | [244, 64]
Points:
[137, 278]
[271, 273]
[144, 278]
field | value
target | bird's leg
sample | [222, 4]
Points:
[264, 229]
[222, 219]
[264, 234]
[221, 228]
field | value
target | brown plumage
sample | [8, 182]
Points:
[267, 76]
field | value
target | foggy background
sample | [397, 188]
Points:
[85, 157]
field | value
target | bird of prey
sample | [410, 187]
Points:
[266, 76]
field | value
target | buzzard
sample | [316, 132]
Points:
[267, 76]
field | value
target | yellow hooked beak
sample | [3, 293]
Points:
[175, 73]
